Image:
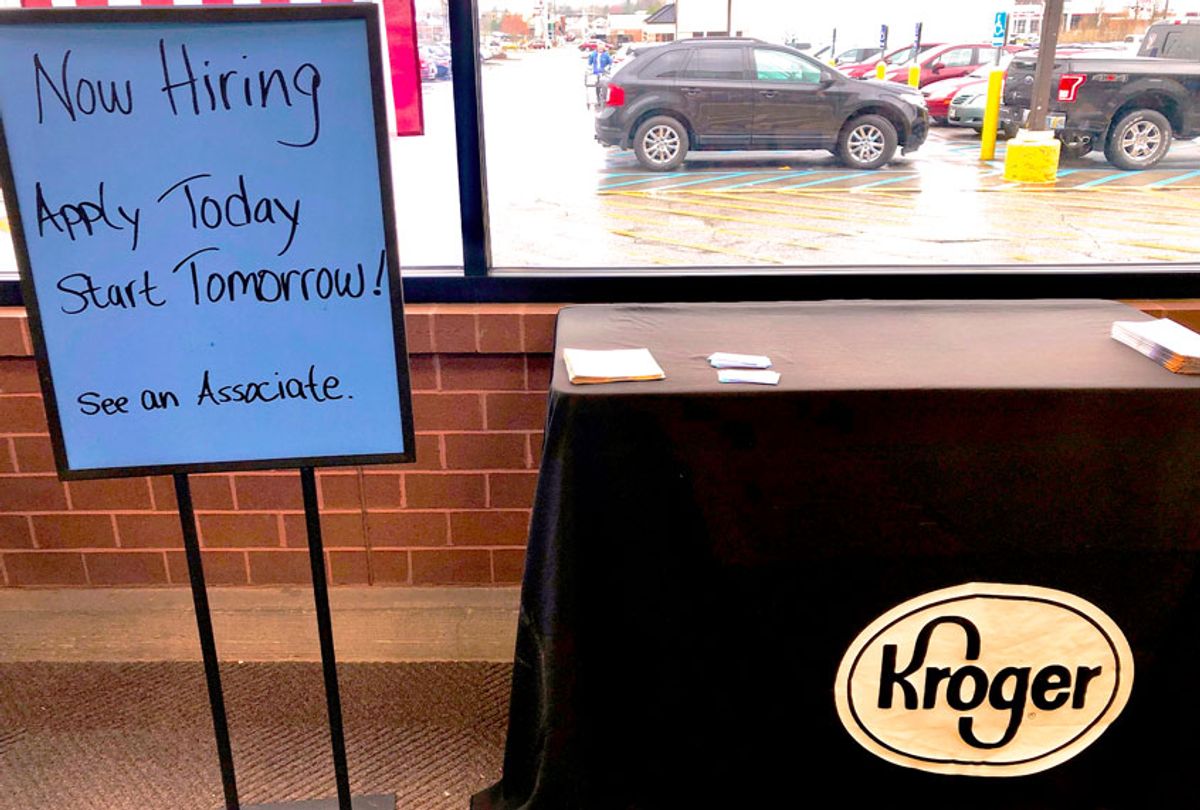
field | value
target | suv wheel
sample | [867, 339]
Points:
[1139, 140]
[660, 143]
[867, 142]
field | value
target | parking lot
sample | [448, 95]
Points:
[558, 199]
[939, 205]
[584, 204]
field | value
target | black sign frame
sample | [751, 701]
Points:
[366, 12]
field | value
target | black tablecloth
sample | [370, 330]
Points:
[701, 556]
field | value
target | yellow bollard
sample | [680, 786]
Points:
[991, 114]
[914, 75]
[881, 71]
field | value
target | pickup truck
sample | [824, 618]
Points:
[1129, 106]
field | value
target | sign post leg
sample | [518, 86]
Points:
[208, 646]
[333, 700]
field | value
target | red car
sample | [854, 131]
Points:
[939, 94]
[947, 62]
[866, 70]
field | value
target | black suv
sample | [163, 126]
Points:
[733, 94]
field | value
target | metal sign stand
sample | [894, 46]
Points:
[212, 672]
[208, 646]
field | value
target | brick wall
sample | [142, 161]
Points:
[457, 517]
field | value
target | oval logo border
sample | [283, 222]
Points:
[1093, 615]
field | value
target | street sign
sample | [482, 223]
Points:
[883, 38]
[1000, 29]
[917, 41]
[202, 213]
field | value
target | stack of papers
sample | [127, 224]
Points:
[730, 360]
[743, 368]
[1168, 343]
[748, 375]
[586, 366]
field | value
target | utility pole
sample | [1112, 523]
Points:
[728, 17]
[1040, 102]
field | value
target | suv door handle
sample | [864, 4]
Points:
[691, 91]
[768, 93]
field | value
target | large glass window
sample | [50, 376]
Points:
[425, 167]
[614, 139]
[684, 159]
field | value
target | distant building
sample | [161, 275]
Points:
[709, 18]
[1025, 16]
[626, 27]
[660, 26]
[432, 19]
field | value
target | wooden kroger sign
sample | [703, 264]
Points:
[984, 679]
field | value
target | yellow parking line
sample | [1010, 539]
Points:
[877, 198]
[695, 246]
[1158, 246]
[707, 216]
[1088, 205]
[786, 242]
[818, 205]
[766, 209]
[660, 210]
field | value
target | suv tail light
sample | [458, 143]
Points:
[616, 96]
[1068, 86]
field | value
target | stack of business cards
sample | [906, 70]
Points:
[748, 375]
[743, 368]
[730, 360]
[1170, 344]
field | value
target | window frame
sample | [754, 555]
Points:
[479, 281]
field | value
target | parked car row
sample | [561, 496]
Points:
[741, 94]
[737, 94]
[435, 61]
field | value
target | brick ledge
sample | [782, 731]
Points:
[258, 624]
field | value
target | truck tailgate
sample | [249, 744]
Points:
[1018, 80]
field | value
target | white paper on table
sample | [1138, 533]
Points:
[614, 365]
[731, 360]
[750, 376]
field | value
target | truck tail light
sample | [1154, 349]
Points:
[616, 96]
[1068, 86]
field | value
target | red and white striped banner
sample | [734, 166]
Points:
[400, 44]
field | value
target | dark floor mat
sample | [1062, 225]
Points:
[118, 736]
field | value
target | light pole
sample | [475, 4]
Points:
[1032, 157]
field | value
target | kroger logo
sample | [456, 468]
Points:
[984, 679]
